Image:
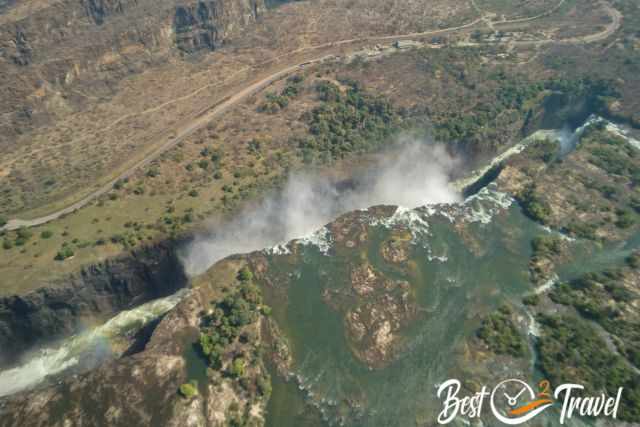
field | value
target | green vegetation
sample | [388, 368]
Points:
[46, 234]
[229, 340]
[245, 275]
[533, 205]
[571, 351]
[3, 221]
[604, 298]
[64, 253]
[531, 300]
[591, 294]
[615, 156]
[633, 260]
[238, 367]
[516, 97]
[351, 122]
[189, 390]
[546, 246]
[501, 335]
[229, 316]
[153, 172]
[544, 150]
[22, 236]
[581, 229]
[274, 102]
[264, 386]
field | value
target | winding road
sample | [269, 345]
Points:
[225, 104]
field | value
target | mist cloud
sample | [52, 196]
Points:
[418, 174]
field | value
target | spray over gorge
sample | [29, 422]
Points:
[416, 174]
[290, 213]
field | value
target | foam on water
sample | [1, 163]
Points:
[484, 205]
[320, 238]
[621, 132]
[281, 249]
[534, 327]
[547, 285]
[56, 359]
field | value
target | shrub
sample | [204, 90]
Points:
[347, 123]
[245, 275]
[546, 246]
[46, 234]
[6, 244]
[189, 390]
[625, 219]
[533, 206]
[633, 260]
[544, 150]
[501, 335]
[64, 253]
[266, 310]
[153, 172]
[24, 233]
[584, 230]
[264, 386]
[533, 299]
[3, 221]
[193, 193]
[238, 367]
[216, 156]
[572, 351]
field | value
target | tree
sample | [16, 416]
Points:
[189, 390]
[3, 221]
[238, 367]
[64, 253]
[264, 386]
[245, 275]
[46, 234]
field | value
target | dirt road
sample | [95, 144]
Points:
[224, 105]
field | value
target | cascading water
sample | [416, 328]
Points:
[86, 348]
[89, 348]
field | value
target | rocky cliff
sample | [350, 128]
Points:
[97, 292]
[144, 389]
[51, 54]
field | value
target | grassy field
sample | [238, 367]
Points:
[477, 97]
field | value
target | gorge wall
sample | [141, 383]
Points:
[96, 292]
[56, 57]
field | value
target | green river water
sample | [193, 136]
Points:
[452, 291]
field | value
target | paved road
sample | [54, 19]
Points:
[226, 104]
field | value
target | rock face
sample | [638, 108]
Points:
[137, 390]
[142, 389]
[98, 291]
[52, 53]
[206, 24]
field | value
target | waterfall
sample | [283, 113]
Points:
[89, 347]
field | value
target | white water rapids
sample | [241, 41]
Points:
[67, 354]
[70, 352]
